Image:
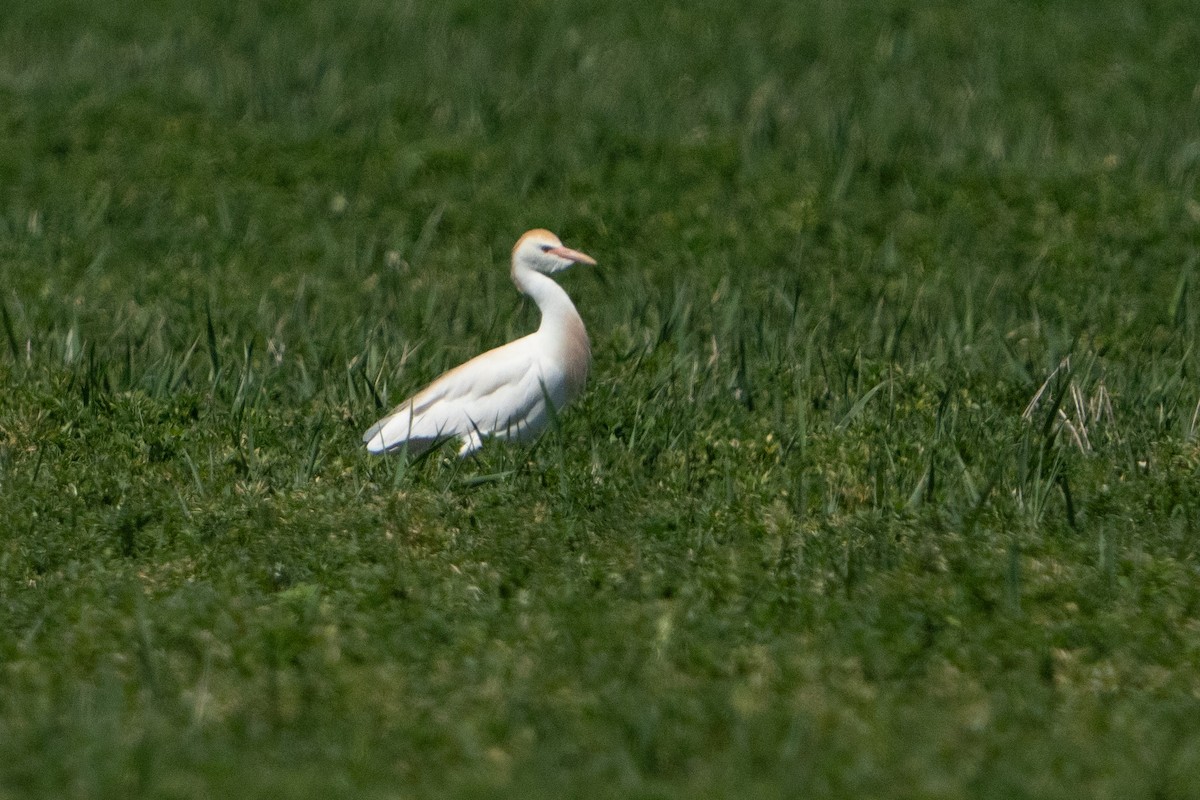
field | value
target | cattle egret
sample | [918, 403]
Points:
[503, 392]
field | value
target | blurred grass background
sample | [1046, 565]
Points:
[884, 484]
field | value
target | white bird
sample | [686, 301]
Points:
[503, 392]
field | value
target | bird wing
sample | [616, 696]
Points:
[493, 391]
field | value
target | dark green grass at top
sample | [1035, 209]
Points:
[884, 484]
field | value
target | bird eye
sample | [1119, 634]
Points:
[546, 248]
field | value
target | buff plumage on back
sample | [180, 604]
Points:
[505, 392]
[496, 393]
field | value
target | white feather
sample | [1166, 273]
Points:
[503, 392]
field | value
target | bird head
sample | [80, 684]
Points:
[542, 251]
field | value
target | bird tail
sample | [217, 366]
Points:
[382, 436]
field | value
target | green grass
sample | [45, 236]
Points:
[886, 483]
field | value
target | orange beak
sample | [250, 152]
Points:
[572, 255]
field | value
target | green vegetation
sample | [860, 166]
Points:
[886, 484]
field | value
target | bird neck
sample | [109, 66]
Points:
[551, 299]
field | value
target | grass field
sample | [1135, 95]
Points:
[886, 483]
